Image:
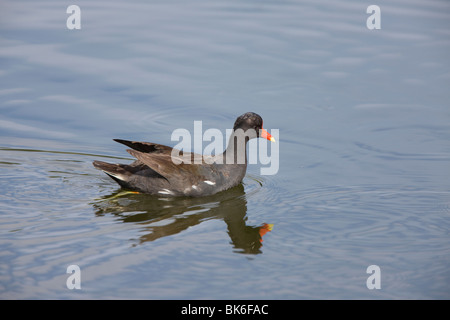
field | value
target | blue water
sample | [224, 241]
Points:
[364, 152]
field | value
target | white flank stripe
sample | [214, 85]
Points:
[165, 191]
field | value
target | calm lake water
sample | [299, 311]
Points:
[364, 149]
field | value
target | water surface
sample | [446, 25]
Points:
[364, 149]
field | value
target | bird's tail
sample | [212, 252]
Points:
[115, 171]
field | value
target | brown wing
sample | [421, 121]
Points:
[167, 161]
[163, 164]
[146, 147]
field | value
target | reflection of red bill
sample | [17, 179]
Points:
[266, 227]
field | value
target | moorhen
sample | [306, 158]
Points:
[165, 171]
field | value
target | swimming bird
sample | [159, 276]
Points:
[169, 172]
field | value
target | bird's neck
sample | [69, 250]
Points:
[236, 152]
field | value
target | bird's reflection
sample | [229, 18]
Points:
[161, 217]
